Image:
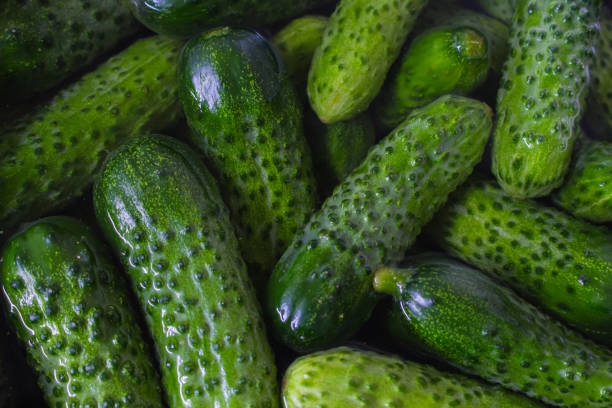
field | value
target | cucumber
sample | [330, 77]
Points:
[43, 42]
[70, 308]
[461, 316]
[161, 210]
[560, 263]
[587, 191]
[320, 292]
[439, 61]
[359, 44]
[184, 18]
[346, 377]
[248, 122]
[50, 156]
[502, 10]
[541, 98]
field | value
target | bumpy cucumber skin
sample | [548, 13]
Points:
[184, 18]
[71, 309]
[320, 291]
[359, 44]
[162, 211]
[560, 263]
[42, 43]
[542, 94]
[438, 62]
[345, 377]
[50, 156]
[587, 191]
[248, 122]
[465, 318]
[502, 10]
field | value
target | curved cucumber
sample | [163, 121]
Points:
[502, 10]
[320, 291]
[340, 377]
[438, 62]
[360, 43]
[162, 211]
[465, 318]
[42, 43]
[587, 191]
[562, 264]
[50, 156]
[248, 122]
[71, 310]
[542, 94]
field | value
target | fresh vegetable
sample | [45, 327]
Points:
[500, 9]
[461, 316]
[163, 213]
[71, 310]
[320, 292]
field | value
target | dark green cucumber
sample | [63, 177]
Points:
[542, 95]
[587, 191]
[248, 122]
[320, 292]
[163, 213]
[184, 18]
[71, 309]
[44, 42]
[562, 264]
[50, 156]
[502, 10]
[345, 377]
[438, 62]
[359, 44]
[460, 316]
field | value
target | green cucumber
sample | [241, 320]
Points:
[248, 122]
[71, 309]
[359, 44]
[184, 18]
[587, 191]
[542, 95]
[560, 263]
[460, 316]
[50, 156]
[43, 42]
[502, 10]
[438, 62]
[346, 377]
[161, 209]
[320, 291]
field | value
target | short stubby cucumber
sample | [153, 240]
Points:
[162, 211]
[44, 42]
[502, 10]
[359, 44]
[247, 120]
[71, 308]
[320, 292]
[587, 191]
[348, 377]
[50, 156]
[463, 317]
[542, 95]
[561, 263]
[438, 62]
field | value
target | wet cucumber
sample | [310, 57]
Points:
[560, 263]
[461, 316]
[50, 156]
[587, 191]
[248, 122]
[359, 44]
[163, 213]
[44, 42]
[345, 377]
[502, 10]
[542, 94]
[320, 292]
[438, 62]
[71, 309]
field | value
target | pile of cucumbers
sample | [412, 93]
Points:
[306, 203]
